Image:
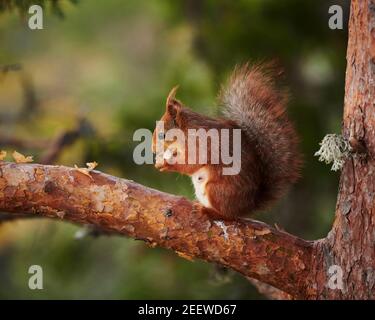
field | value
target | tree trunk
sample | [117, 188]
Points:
[351, 243]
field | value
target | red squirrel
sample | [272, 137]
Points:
[270, 160]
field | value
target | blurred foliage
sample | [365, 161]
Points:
[22, 6]
[113, 62]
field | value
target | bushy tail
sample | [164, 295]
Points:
[251, 99]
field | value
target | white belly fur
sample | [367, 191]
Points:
[200, 179]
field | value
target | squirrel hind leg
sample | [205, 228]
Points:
[212, 213]
[231, 201]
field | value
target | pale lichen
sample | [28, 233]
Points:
[335, 149]
[18, 177]
[223, 227]
[262, 269]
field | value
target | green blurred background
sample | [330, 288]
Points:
[112, 63]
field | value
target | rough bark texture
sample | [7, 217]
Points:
[117, 205]
[291, 267]
[269, 291]
[351, 242]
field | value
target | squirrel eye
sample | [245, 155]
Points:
[200, 178]
[161, 135]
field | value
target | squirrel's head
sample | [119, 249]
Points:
[165, 142]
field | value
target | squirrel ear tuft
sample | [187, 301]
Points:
[173, 106]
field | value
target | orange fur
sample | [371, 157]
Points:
[270, 161]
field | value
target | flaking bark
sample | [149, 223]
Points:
[121, 206]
